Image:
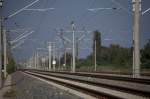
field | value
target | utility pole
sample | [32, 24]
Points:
[65, 56]
[54, 61]
[77, 49]
[59, 59]
[1, 4]
[0, 52]
[64, 44]
[136, 32]
[5, 52]
[73, 47]
[73, 68]
[95, 55]
[49, 50]
[35, 60]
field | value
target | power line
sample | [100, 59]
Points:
[43, 17]
[42, 10]
[144, 12]
[22, 9]
[121, 6]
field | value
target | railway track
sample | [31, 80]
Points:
[104, 76]
[96, 86]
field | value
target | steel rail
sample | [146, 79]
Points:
[118, 88]
[104, 76]
[93, 93]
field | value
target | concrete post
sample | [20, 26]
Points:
[136, 42]
[0, 52]
[5, 52]
[95, 55]
[54, 60]
[73, 49]
[49, 63]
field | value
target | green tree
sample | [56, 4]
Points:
[97, 39]
[105, 55]
[11, 65]
[68, 59]
[119, 55]
[145, 59]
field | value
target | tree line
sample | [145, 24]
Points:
[114, 55]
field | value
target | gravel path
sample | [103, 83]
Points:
[31, 88]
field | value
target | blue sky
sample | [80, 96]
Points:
[115, 26]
